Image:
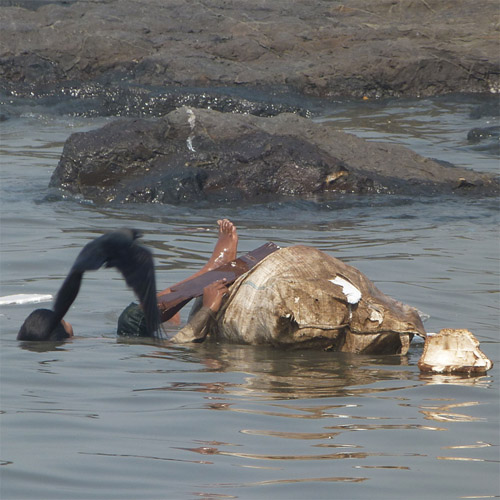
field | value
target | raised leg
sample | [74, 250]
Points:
[225, 251]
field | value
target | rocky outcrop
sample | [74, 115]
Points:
[319, 48]
[194, 155]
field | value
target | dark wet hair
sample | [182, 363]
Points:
[132, 322]
[37, 327]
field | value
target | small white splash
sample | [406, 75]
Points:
[24, 298]
[192, 123]
[352, 294]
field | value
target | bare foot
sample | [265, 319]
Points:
[226, 247]
[225, 251]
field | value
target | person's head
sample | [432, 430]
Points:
[132, 322]
[37, 327]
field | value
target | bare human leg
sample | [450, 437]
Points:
[225, 248]
[225, 251]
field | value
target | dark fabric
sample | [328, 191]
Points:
[132, 322]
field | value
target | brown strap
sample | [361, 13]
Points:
[180, 295]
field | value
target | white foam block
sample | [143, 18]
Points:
[25, 298]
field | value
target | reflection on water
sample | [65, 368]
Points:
[302, 480]
[464, 380]
[443, 413]
[436, 127]
[205, 462]
[270, 373]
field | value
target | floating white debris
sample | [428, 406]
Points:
[352, 294]
[453, 351]
[25, 298]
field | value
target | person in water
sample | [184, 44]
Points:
[132, 320]
[46, 324]
[38, 326]
[119, 249]
[296, 296]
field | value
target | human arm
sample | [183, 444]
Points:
[197, 328]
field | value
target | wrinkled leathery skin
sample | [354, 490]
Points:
[294, 298]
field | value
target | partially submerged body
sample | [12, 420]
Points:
[132, 322]
[289, 297]
[301, 297]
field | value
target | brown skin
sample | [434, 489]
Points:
[67, 326]
[213, 295]
[224, 251]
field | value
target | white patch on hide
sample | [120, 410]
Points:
[191, 118]
[352, 294]
[376, 316]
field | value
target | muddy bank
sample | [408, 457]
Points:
[194, 155]
[318, 48]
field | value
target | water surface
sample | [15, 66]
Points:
[101, 418]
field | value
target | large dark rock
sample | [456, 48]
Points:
[193, 155]
[317, 47]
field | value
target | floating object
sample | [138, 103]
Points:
[299, 296]
[453, 351]
[25, 298]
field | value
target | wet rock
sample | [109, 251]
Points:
[453, 351]
[194, 155]
[486, 139]
[477, 135]
[489, 108]
[97, 99]
[33, 4]
[319, 48]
